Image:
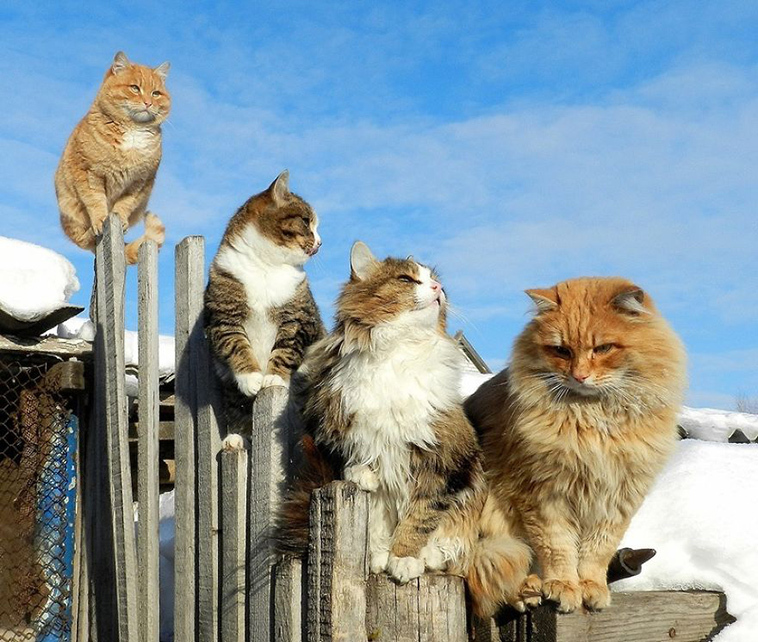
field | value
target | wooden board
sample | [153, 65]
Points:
[289, 593]
[650, 616]
[46, 345]
[109, 369]
[147, 479]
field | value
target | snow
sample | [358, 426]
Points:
[717, 425]
[701, 518]
[34, 281]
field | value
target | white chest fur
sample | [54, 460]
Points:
[267, 286]
[139, 140]
[394, 395]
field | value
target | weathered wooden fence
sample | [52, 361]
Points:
[228, 585]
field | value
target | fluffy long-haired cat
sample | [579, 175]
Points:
[577, 428]
[111, 158]
[382, 408]
[260, 315]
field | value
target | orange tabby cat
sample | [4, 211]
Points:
[111, 158]
[577, 428]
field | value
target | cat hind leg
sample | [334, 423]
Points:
[154, 231]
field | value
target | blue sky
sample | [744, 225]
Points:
[510, 144]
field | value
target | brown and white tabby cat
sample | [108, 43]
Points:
[383, 409]
[260, 315]
[576, 429]
[111, 158]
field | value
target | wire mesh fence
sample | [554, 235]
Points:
[37, 501]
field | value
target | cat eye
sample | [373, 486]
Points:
[134, 88]
[156, 93]
[408, 279]
[561, 351]
[602, 349]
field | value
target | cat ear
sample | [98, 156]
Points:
[362, 262]
[120, 62]
[631, 301]
[544, 299]
[280, 189]
[162, 70]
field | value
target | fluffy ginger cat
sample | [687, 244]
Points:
[382, 408]
[577, 428]
[260, 315]
[111, 158]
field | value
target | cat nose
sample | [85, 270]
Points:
[581, 377]
[436, 286]
[315, 248]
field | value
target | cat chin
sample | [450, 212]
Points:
[142, 116]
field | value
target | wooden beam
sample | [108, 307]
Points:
[337, 564]
[646, 616]
[289, 595]
[147, 478]
[268, 460]
[46, 345]
[234, 466]
[188, 282]
[109, 369]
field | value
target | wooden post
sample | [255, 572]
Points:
[289, 594]
[234, 468]
[337, 564]
[429, 609]
[269, 454]
[109, 370]
[147, 480]
[188, 284]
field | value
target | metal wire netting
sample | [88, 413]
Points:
[37, 481]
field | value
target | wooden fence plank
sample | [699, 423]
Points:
[208, 446]
[188, 282]
[110, 370]
[269, 452]
[147, 479]
[288, 601]
[234, 470]
[337, 564]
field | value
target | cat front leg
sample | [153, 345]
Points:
[555, 542]
[596, 550]
[91, 191]
[380, 527]
[363, 476]
[225, 314]
[131, 206]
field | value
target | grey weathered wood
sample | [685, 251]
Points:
[147, 478]
[288, 601]
[234, 467]
[187, 283]
[337, 564]
[268, 455]
[208, 445]
[650, 616]
[109, 369]
[429, 609]
[46, 345]
[81, 581]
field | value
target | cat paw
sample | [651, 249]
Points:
[156, 229]
[567, 595]
[530, 592]
[249, 383]
[379, 560]
[363, 476]
[595, 595]
[271, 380]
[234, 442]
[404, 569]
[433, 557]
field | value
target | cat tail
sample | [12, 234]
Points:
[291, 530]
[499, 564]
[154, 231]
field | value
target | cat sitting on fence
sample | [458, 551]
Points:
[260, 315]
[576, 429]
[382, 407]
[111, 158]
